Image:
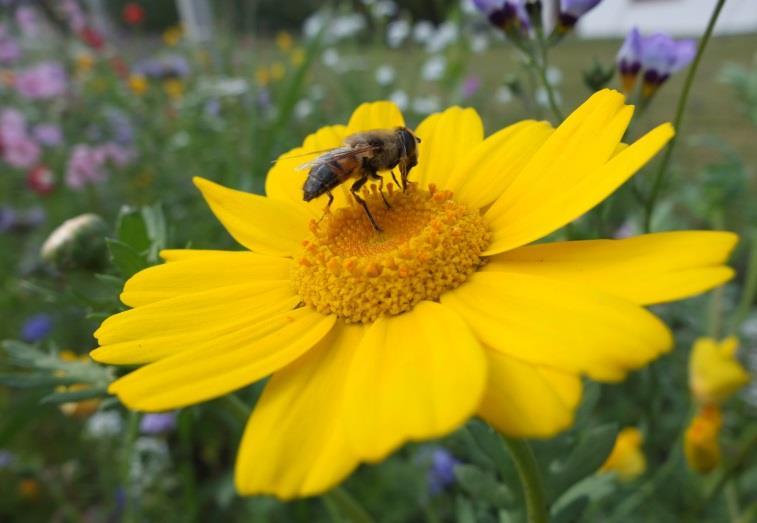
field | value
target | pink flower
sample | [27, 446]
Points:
[42, 81]
[48, 134]
[88, 163]
[9, 48]
[21, 152]
[26, 18]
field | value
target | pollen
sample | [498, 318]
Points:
[428, 245]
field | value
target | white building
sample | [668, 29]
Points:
[614, 18]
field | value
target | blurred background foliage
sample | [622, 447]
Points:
[144, 108]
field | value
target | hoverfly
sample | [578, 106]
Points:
[362, 156]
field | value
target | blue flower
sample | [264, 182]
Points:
[572, 10]
[441, 473]
[158, 423]
[505, 14]
[36, 328]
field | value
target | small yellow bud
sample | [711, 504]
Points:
[714, 372]
[138, 84]
[701, 445]
[172, 36]
[627, 459]
[174, 88]
[284, 41]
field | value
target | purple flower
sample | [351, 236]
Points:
[168, 66]
[17, 148]
[48, 134]
[471, 85]
[88, 163]
[661, 56]
[9, 48]
[121, 128]
[158, 423]
[74, 14]
[658, 55]
[505, 14]
[12, 123]
[42, 81]
[572, 10]
[36, 328]
[6, 458]
[12, 220]
[26, 18]
[8, 219]
[441, 473]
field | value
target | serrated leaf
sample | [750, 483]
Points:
[77, 395]
[591, 451]
[128, 261]
[482, 485]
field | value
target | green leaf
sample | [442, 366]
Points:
[571, 512]
[132, 230]
[591, 451]
[490, 442]
[27, 380]
[464, 512]
[128, 261]
[155, 222]
[483, 486]
[77, 395]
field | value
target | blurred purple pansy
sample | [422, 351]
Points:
[505, 14]
[572, 10]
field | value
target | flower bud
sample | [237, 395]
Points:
[627, 459]
[714, 372]
[77, 243]
[701, 445]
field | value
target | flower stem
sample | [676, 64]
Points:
[236, 408]
[682, 100]
[528, 471]
[540, 64]
[748, 290]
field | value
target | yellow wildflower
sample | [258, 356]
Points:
[627, 458]
[172, 35]
[174, 88]
[277, 71]
[84, 62]
[701, 445]
[714, 372]
[453, 305]
[138, 84]
[262, 76]
[77, 409]
[284, 41]
[297, 56]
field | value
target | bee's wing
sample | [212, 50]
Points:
[335, 154]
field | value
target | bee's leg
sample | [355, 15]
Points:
[328, 206]
[381, 188]
[394, 177]
[404, 171]
[354, 190]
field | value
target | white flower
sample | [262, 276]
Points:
[503, 95]
[346, 26]
[542, 97]
[385, 75]
[331, 58]
[400, 98]
[313, 25]
[434, 68]
[422, 31]
[554, 75]
[397, 32]
[384, 9]
[303, 109]
[479, 43]
[442, 37]
[426, 105]
[104, 424]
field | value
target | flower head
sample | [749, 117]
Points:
[714, 372]
[10, 51]
[572, 10]
[441, 473]
[450, 304]
[701, 443]
[158, 423]
[41, 180]
[42, 81]
[37, 328]
[48, 134]
[507, 15]
[133, 13]
[627, 457]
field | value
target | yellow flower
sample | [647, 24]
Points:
[138, 84]
[172, 35]
[262, 76]
[297, 57]
[701, 445]
[84, 62]
[174, 88]
[76, 409]
[714, 372]
[284, 41]
[277, 71]
[627, 458]
[377, 339]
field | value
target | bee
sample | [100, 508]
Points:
[362, 156]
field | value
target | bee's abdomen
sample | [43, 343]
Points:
[323, 178]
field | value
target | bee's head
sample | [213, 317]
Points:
[409, 140]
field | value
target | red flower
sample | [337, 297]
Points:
[41, 180]
[92, 37]
[133, 13]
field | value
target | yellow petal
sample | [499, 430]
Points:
[287, 176]
[173, 325]
[224, 364]
[715, 374]
[573, 171]
[491, 166]
[627, 458]
[647, 269]
[172, 255]
[414, 376]
[446, 139]
[525, 400]
[203, 273]
[557, 324]
[375, 115]
[261, 224]
[295, 443]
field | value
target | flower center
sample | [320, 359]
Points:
[429, 244]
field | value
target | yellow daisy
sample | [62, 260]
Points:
[375, 339]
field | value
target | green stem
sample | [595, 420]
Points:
[682, 100]
[530, 477]
[340, 502]
[749, 290]
[541, 67]
[236, 408]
